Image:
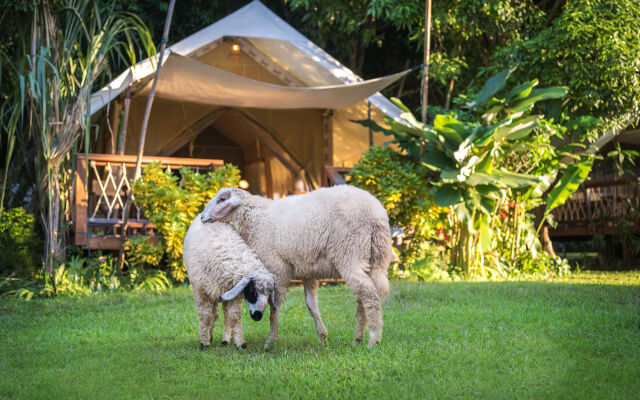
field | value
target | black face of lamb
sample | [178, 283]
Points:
[250, 293]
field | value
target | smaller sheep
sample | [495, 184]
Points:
[220, 267]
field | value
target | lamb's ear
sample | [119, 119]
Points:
[237, 289]
[219, 206]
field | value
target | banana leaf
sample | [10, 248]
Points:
[569, 183]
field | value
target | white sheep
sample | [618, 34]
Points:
[338, 232]
[220, 267]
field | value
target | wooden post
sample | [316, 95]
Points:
[369, 117]
[123, 135]
[327, 136]
[587, 206]
[81, 203]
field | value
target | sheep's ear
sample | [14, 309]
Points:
[237, 289]
[219, 206]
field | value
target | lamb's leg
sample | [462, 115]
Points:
[361, 322]
[234, 313]
[228, 328]
[362, 286]
[207, 314]
[311, 296]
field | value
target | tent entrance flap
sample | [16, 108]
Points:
[183, 79]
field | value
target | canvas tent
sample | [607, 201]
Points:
[251, 90]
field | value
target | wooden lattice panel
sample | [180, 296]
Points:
[102, 190]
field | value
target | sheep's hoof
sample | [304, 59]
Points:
[203, 347]
[224, 343]
[373, 344]
[357, 341]
[243, 346]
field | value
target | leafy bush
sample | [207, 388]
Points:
[20, 246]
[82, 276]
[397, 182]
[489, 163]
[171, 202]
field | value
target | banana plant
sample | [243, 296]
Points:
[467, 150]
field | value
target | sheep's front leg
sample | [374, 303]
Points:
[233, 323]
[273, 321]
[311, 297]
[207, 315]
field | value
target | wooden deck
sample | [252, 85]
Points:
[602, 208]
[98, 205]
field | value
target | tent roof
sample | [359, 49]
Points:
[183, 79]
[278, 40]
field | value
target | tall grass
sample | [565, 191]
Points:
[73, 46]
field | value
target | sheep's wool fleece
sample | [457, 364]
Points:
[217, 258]
[322, 234]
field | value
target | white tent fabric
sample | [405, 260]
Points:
[260, 25]
[183, 79]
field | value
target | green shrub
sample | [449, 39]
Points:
[398, 182]
[20, 246]
[171, 202]
[489, 163]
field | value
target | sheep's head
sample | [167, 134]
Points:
[258, 292]
[224, 202]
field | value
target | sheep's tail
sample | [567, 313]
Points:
[381, 256]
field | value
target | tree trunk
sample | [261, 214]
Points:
[53, 244]
[545, 239]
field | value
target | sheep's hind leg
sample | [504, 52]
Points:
[311, 297]
[207, 315]
[361, 322]
[362, 286]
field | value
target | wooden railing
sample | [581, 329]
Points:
[98, 206]
[598, 207]
[332, 176]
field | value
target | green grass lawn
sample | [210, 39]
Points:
[572, 338]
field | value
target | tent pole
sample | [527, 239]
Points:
[147, 111]
[143, 131]
[427, 51]
[425, 72]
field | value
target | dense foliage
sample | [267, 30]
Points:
[69, 48]
[20, 246]
[398, 182]
[171, 202]
[490, 162]
[593, 47]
